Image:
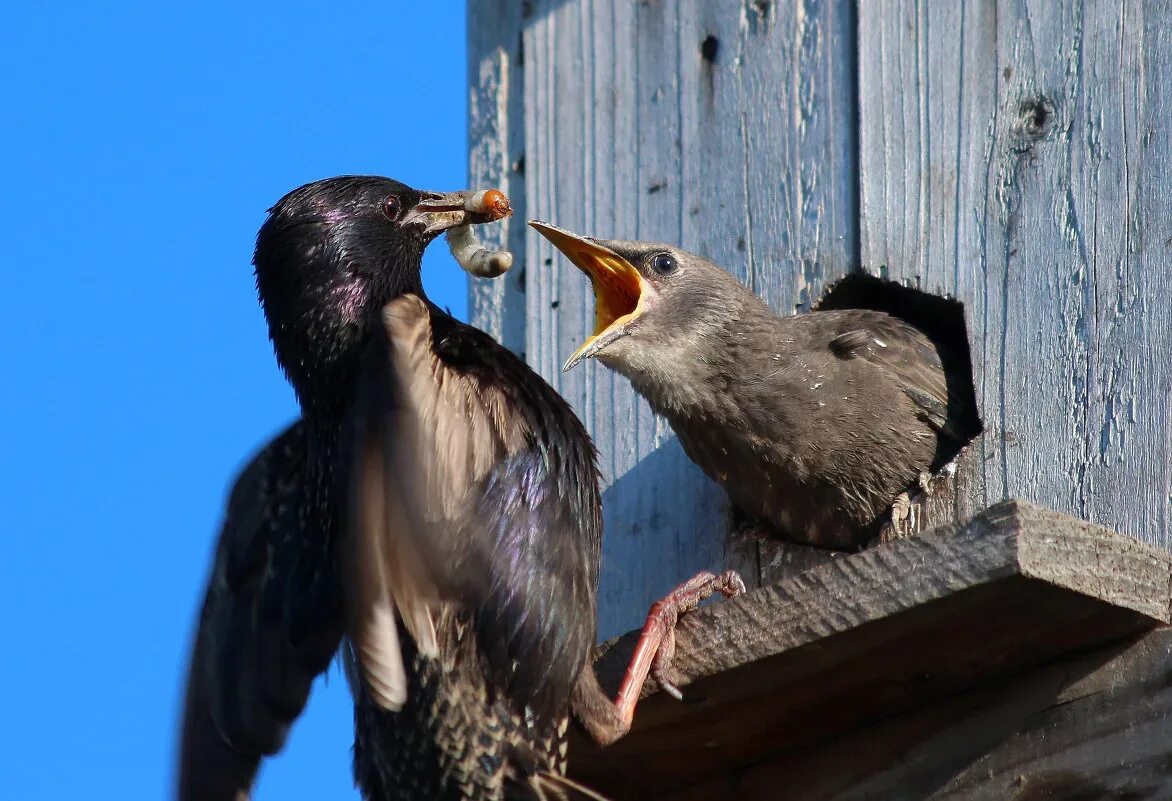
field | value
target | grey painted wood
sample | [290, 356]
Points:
[496, 151]
[741, 148]
[905, 625]
[1018, 155]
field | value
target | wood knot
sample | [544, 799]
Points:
[1035, 118]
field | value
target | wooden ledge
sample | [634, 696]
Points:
[873, 634]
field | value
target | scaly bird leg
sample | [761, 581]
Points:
[607, 721]
[657, 642]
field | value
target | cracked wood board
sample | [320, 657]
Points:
[1016, 154]
[875, 634]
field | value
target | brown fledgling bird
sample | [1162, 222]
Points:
[437, 506]
[816, 423]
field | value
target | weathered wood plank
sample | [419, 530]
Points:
[1016, 154]
[496, 157]
[1097, 727]
[872, 634]
[724, 126]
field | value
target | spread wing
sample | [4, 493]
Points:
[913, 359]
[476, 496]
[250, 671]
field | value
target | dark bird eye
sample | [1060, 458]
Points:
[664, 263]
[391, 207]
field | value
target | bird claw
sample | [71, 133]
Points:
[901, 508]
[900, 524]
[665, 614]
[668, 687]
[925, 482]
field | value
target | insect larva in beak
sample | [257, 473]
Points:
[489, 201]
[474, 257]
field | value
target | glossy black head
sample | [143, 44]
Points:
[330, 255]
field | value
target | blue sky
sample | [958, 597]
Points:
[142, 145]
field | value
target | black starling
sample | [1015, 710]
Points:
[437, 503]
[816, 423]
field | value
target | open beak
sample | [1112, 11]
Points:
[620, 293]
[437, 212]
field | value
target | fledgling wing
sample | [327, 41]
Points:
[909, 356]
[246, 681]
[468, 499]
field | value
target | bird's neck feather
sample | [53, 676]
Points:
[683, 373]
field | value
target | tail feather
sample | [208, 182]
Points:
[550, 787]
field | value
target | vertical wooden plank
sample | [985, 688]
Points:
[602, 133]
[722, 125]
[1013, 154]
[496, 157]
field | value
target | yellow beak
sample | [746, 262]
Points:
[619, 289]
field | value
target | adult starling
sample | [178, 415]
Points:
[815, 423]
[437, 503]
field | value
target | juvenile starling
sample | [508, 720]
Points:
[815, 423]
[437, 503]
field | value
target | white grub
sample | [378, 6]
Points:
[488, 201]
[476, 202]
[474, 257]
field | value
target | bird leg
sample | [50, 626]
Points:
[657, 642]
[903, 508]
[608, 721]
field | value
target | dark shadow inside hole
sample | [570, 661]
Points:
[942, 321]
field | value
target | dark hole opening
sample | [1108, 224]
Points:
[1035, 114]
[709, 49]
[942, 321]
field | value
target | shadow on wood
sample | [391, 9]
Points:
[866, 637]
[644, 513]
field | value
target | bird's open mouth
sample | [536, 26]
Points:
[619, 290]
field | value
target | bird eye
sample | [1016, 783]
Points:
[391, 207]
[664, 263]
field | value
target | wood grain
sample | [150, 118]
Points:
[1094, 727]
[722, 126]
[496, 158]
[1015, 154]
[874, 634]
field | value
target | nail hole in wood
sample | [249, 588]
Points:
[709, 49]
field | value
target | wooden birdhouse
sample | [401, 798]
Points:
[1014, 156]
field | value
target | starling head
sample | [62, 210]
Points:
[657, 308]
[334, 252]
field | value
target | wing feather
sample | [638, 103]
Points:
[475, 512]
[247, 679]
[911, 357]
[426, 438]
